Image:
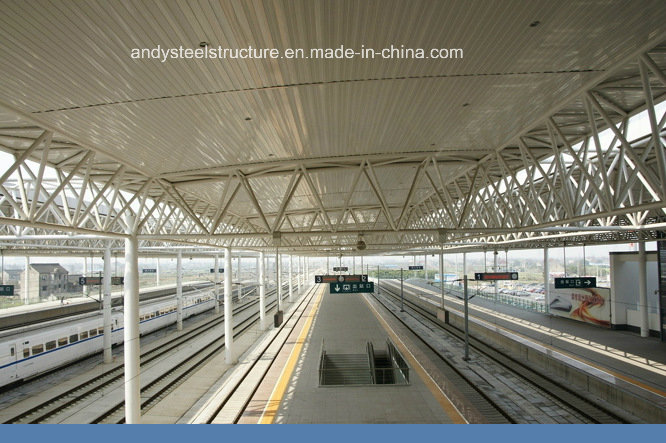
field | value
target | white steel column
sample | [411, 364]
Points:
[495, 253]
[354, 265]
[291, 275]
[131, 329]
[361, 264]
[238, 271]
[546, 279]
[441, 275]
[228, 319]
[26, 281]
[216, 280]
[642, 289]
[299, 276]
[327, 266]
[262, 289]
[179, 291]
[84, 288]
[425, 266]
[106, 304]
[464, 269]
[278, 279]
[157, 273]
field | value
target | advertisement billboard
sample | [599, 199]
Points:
[589, 305]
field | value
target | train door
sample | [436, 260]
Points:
[23, 353]
[9, 358]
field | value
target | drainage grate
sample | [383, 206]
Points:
[376, 367]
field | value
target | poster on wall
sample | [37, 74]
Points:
[590, 305]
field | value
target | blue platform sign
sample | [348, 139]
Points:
[352, 288]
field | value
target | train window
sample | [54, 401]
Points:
[62, 341]
[26, 353]
[83, 335]
[100, 330]
[74, 338]
[50, 345]
[37, 349]
[11, 351]
[93, 332]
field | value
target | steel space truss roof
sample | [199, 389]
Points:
[525, 169]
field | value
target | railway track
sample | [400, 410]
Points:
[238, 397]
[560, 395]
[80, 395]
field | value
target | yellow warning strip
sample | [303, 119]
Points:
[511, 319]
[440, 396]
[273, 404]
[578, 358]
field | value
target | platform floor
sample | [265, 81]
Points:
[624, 354]
[344, 324]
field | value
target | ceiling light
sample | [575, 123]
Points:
[535, 23]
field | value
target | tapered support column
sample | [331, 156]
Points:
[216, 280]
[106, 304]
[262, 289]
[642, 289]
[131, 329]
[228, 314]
[179, 291]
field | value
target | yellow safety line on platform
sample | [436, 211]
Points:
[444, 401]
[529, 325]
[270, 411]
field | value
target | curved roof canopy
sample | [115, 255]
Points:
[501, 144]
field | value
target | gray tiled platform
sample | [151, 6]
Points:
[345, 323]
[624, 352]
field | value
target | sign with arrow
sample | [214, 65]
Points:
[575, 282]
[351, 288]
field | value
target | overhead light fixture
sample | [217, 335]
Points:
[360, 244]
[535, 23]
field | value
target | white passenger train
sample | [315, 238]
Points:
[23, 355]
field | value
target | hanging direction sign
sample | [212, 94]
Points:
[575, 282]
[416, 268]
[351, 288]
[220, 270]
[340, 269]
[6, 290]
[90, 281]
[149, 271]
[117, 281]
[341, 278]
[495, 276]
